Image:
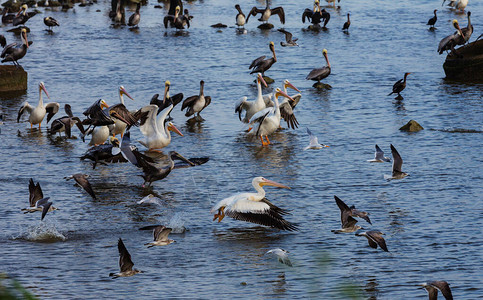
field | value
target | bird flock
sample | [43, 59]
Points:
[263, 116]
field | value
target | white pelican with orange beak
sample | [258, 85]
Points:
[252, 107]
[267, 121]
[157, 132]
[254, 207]
[38, 113]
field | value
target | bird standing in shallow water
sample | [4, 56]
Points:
[196, 104]
[135, 17]
[433, 20]
[399, 86]
[320, 73]
[50, 22]
[240, 17]
[347, 24]
[37, 114]
[260, 65]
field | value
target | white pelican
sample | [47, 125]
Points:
[254, 207]
[267, 120]
[120, 126]
[37, 113]
[99, 134]
[157, 132]
[252, 107]
[125, 263]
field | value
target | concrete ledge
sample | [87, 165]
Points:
[12, 78]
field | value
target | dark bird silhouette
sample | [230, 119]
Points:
[177, 21]
[325, 17]
[313, 16]
[374, 238]
[320, 73]
[50, 22]
[23, 16]
[125, 263]
[399, 86]
[13, 52]
[7, 17]
[433, 20]
[135, 17]
[167, 100]
[347, 24]
[261, 65]
[65, 123]
[433, 286]
[267, 12]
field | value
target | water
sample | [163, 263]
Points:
[431, 219]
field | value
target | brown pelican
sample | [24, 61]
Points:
[346, 217]
[379, 156]
[267, 13]
[240, 17]
[449, 42]
[125, 263]
[314, 142]
[177, 21]
[13, 52]
[81, 180]
[7, 17]
[320, 73]
[117, 15]
[196, 104]
[167, 100]
[347, 24]
[50, 22]
[325, 17]
[153, 173]
[160, 235]
[22, 16]
[396, 165]
[37, 202]
[260, 65]
[65, 123]
[467, 32]
[433, 20]
[288, 38]
[252, 107]
[399, 86]
[314, 16]
[156, 130]
[281, 255]
[267, 121]
[374, 238]
[37, 114]
[254, 207]
[433, 286]
[135, 17]
[126, 118]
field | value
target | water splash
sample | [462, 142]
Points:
[44, 232]
[177, 223]
[150, 199]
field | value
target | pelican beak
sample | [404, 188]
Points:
[104, 104]
[273, 183]
[45, 90]
[326, 146]
[171, 127]
[24, 33]
[260, 77]
[282, 93]
[123, 91]
[288, 84]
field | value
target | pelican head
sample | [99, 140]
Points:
[177, 9]
[23, 34]
[272, 46]
[173, 128]
[42, 87]
[167, 83]
[114, 141]
[324, 52]
[261, 80]
[260, 181]
[287, 84]
[279, 92]
[122, 91]
[456, 24]
[103, 104]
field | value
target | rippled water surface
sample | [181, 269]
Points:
[432, 219]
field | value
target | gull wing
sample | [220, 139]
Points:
[81, 179]
[35, 192]
[376, 237]
[160, 233]
[396, 160]
[125, 262]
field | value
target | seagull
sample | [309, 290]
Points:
[396, 165]
[160, 235]
[379, 156]
[433, 286]
[374, 237]
[281, 255]
[314, 142]
[125, 262]
[149, 199]
[290, 42]
[346, 217]
[37, 201]
[81, 180]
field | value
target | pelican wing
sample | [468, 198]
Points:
[261, 115]
[52, 108]
[123, 114]
[25, 107]
[318, 73]
[286, 112]
[125, 262]
[176, 99]
[241, 105]
[8, 49]
[307, 14]
[397, 160]
[35, 192]
[195, 160]
[147, 119]
[260, 212]
[188, 102]
[256, 62]
[253, 12]
[279, 11]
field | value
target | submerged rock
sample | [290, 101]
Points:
[322, 86]
[219, 25]
[265, 26]
[412, 126]
[267, 79]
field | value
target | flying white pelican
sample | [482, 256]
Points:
[254, 207]
[120, 126]
[157, 132]
[252, 107]
[37, 113]
[267, 120]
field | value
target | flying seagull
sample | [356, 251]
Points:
[125, 262]
[37, 201]
[281, 255]
[314, 142]
[396, 165]
[346, 217]
[160, 235]
[290, 41]
[81, 180]
[433, 286]
[374, 237]
[379, 156]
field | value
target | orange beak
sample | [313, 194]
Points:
[173, 128]
[273, 183]
[288, 84]
[123, 91]
[282, 93]
[260, 77]
[45, 90]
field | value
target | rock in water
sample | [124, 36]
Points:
[322, 86]
[412, 126]
[267, 79]
[266, 26]
[12, 78]
[219, 25]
